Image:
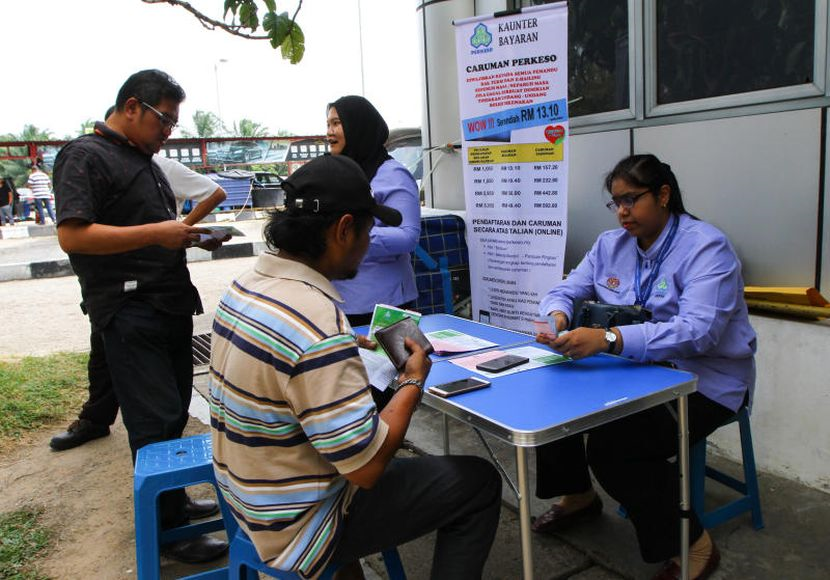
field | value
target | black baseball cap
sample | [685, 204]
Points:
[331, 184]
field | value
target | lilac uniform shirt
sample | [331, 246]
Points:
[386, 275]
[699, 317]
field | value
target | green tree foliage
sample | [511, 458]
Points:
[18, 169]
[207, 124]
[86, 127]
[239, 16]
[32, 133]
[249, 128]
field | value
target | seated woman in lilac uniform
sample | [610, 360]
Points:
[354, 128]
[686, 273]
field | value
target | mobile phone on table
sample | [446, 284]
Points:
[458, 387]
[502, 363]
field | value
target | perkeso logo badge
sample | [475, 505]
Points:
[481, 40]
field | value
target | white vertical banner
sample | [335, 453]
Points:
[513, 103]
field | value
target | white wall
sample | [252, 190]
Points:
[592, 156]
[757, 179]
[444, 187]
[791, 415]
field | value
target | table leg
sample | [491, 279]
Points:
[524, 512]
[685, 503]
[446, 420]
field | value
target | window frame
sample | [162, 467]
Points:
[634, 72]
[817, 88]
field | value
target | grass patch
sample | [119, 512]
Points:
[22, 537]
[36, 391]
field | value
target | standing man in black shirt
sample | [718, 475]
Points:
[117, 222]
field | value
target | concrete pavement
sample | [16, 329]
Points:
[42, 316]
[32, 251]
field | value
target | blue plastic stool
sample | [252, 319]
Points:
[245, 563]
[750, 499]
[161, 467]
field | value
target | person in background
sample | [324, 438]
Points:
[17, 205]
[687, 274]
[304, 459]
[6, 203]
[354, 128]
[117, 223]
[41, 187]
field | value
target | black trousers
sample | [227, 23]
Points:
[101, 406]
[460, 497]
[630, 459]
[151, 366]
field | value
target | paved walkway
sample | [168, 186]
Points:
[792, 545]
[32, 251]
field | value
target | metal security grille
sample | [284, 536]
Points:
[201, 350]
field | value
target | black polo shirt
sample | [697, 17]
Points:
[101, 178]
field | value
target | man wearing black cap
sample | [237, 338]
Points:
[301, 454]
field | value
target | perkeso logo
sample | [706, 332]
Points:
[481, 40]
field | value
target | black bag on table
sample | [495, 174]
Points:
[599, 315]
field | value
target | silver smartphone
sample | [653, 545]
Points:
[457, 387]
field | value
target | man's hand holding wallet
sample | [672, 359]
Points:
[409, 350]
[391, 339]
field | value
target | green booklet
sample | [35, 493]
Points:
[385, 315]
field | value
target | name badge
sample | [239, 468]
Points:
[130, 285]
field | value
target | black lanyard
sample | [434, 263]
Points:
[643, 291]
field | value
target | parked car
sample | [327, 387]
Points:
[405, 146]
[244, 152]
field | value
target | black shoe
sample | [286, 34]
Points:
[200, 508]
[78, 433]
[196, 551]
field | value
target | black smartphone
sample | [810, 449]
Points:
[458, 387]
[502, 363]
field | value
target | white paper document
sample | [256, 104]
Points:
[380, 369]
[449, 341]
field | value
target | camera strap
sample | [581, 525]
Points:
[642, 291]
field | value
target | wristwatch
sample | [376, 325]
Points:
[396, 385]
[611, 339]
[416, 382]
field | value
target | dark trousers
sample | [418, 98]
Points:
[630, 459]
[101, 406]
[149, 357]
[458, 496]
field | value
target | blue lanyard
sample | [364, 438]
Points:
[642, 292]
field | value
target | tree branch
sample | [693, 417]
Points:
[212, 24]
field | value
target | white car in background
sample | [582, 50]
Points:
[405, 146]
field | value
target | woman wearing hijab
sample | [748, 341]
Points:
[354, 128]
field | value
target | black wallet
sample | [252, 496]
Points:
[391, 339]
